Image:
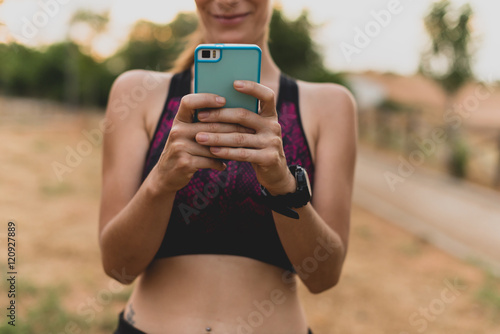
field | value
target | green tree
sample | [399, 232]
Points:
[97, 23]
[73, 89]
[448, 62]
[294, 50]
[155, 46]
[16, 67]
[43, 74]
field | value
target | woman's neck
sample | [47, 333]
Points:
[269, 74]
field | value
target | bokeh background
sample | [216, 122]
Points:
[424, 252]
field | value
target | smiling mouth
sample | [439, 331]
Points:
[230, 19]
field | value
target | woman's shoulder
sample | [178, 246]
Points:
[329, 106]
[335, 97]
[139, 93]
[140, 81]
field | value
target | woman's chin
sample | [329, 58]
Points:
[232, 38]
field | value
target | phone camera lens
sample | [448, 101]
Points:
[205, 54]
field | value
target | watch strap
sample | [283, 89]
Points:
[276, 205]
[285, 203]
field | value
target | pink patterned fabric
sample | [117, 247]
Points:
[221, 212]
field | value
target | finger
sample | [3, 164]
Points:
[195, 156]
[231, 140]
[200, 156]
[263, 157]
[186, 132]
[191, 102]
[265, 95]
[203, 162]
[219, 127]
[188, 147]
[240, 116]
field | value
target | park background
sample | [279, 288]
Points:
[423, 254]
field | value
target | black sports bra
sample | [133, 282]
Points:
[221, 212]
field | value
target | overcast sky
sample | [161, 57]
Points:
[394, 44]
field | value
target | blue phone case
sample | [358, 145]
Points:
[217, 66]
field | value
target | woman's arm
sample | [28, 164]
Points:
[316, 243]
[134, 217]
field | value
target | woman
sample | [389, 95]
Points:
[195, 233]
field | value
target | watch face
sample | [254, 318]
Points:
[303, 194]
[303, 179]
[307, 182]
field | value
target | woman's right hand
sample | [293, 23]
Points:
[182, 156]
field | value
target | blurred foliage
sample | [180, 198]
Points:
[97, 24]
[392, 106]
[68, 72]
[44, 310]
[449, 59]
[294, 50]
[153, 46]
[47, 316]
[448, 62]
[394, 123]
[459, 157]
[51, 73]
[489, 293]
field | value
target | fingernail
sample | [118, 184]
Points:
[215, 149]
[220, 99]
[203, 114]
[202, 137]
[239, 84]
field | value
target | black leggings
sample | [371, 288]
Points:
[125, 328]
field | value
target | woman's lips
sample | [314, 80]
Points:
[230, 19]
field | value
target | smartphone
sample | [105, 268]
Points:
[217, 66]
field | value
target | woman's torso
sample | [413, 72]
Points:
[226, 293]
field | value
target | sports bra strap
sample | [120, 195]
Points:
[180, 84]
[289, 91]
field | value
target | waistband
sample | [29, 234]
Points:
[125, 327]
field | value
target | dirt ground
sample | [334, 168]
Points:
[392, 281]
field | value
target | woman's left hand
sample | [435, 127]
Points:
[263, 149]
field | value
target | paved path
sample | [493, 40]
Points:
[459, 217]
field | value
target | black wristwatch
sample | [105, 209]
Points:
[283, 204]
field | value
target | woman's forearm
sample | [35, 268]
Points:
[315, 250]
[132, 237]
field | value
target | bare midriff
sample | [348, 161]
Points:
[215, 294]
